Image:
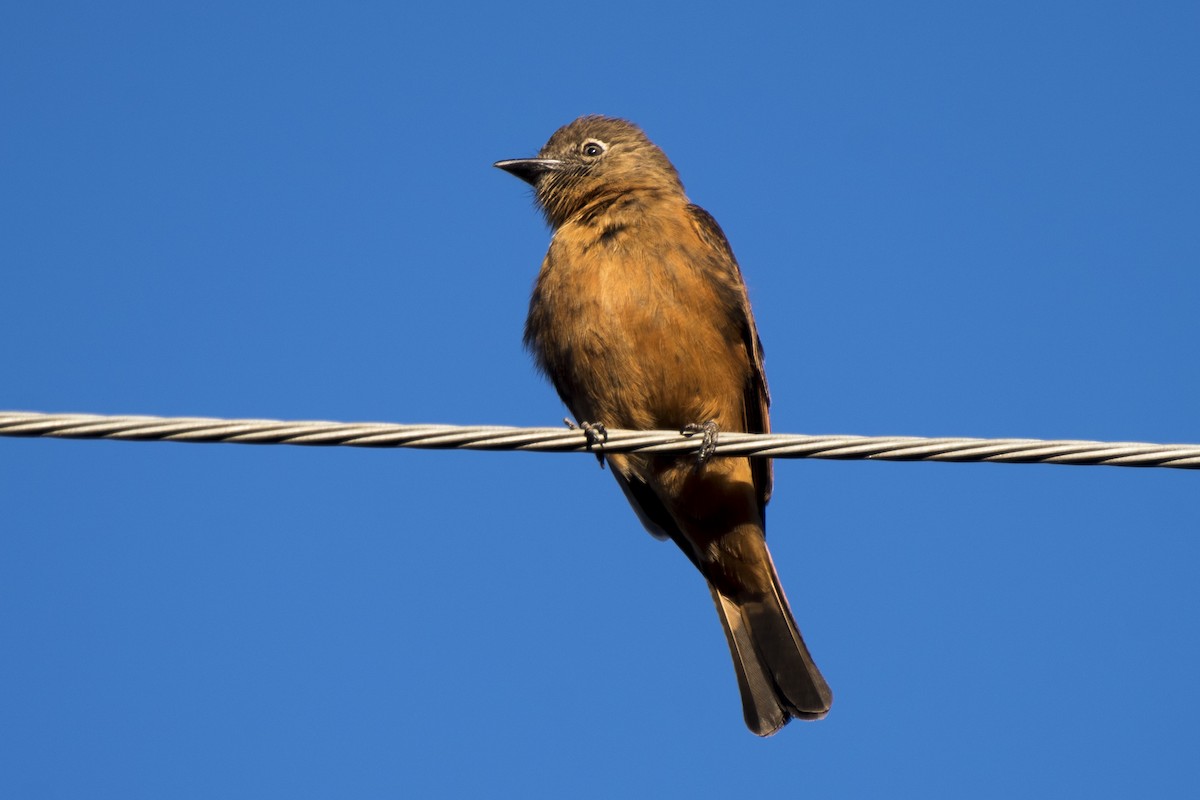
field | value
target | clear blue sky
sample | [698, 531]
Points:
[953, 220]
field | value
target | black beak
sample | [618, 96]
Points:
[529, 169]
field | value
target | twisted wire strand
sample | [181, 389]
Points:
[565, 440]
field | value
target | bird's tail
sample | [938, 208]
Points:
[776, 675]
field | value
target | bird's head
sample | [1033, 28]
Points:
[591, 158]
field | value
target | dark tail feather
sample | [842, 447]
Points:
[775, 673]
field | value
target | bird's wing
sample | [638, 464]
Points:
[756, 398]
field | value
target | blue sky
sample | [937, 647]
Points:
[954, 220]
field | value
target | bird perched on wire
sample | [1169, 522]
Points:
[641, 320]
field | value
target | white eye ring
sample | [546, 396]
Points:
[592, 148]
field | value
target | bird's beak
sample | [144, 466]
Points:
[529, 169]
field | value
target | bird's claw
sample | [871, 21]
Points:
[708, 447]
[596, 435]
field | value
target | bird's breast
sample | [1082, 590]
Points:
[628, 324]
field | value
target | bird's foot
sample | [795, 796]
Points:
[596, 435]
[708, 447]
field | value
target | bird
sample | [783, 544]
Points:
[640, 318]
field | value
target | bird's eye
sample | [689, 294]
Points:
[591, 148]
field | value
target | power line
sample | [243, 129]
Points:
[564, 440]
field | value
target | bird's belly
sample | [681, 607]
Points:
[638, 349]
